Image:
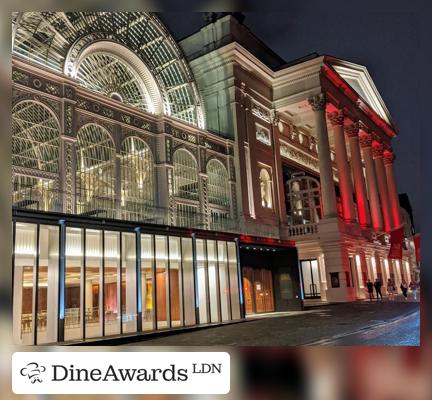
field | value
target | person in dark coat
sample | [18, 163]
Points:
[404, 288]
[370, 288]
[377, 286]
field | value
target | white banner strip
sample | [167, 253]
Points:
[121, 373]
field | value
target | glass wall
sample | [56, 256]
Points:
[101, 286]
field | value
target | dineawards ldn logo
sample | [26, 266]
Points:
[33, 371]
[121, 372]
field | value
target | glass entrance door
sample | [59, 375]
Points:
[258, 290]
[310, 278]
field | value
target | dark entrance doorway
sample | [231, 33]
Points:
[258, 290]
[270, 276]
[310, 279]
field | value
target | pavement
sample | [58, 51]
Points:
[395, 323]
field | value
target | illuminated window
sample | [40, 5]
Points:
[217, 183]
[185, 175]
[137, 178]
[95, 175]
[266, 188]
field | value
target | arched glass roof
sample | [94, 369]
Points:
[53, 39]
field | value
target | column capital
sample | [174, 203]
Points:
[336, 117]
[352, 130]
[365, 140]
[377, 149]
[318, 101]
[389, 157]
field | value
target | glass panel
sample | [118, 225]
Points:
[93, 279]
[234, 289]
[73, 273]
[112, 283]
[315, 276]
[48, 284]
[147, 281]
[217, 183]
[129, 287]
[185, 175]
[223, 280]
[162, 282]
[202, 281]
[175, 282]
[188, 282]
[25, 264]
[213, 281]
[307, 278]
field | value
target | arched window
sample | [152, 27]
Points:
[266, 188]
[35, 145]
[185, 175]
[95, 171]
[303, 200]
[217, 183]
[137, 176]
[35, 137]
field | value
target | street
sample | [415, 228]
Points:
[362, 323]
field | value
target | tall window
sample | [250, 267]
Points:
[266, 188]
[35, 145]
[217, 183]
[137, 178]
[185, 175]
[95, 175]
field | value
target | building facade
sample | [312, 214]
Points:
[161, 185]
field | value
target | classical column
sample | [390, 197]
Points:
[328, 195]
[357, 167]
[337, 120]
[377, 151]
[391, 184]
[374, 203]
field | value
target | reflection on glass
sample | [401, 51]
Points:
[224, 280]
[147, 281]
[129, 288]
[202, 280]
[112, 283]
[25, 264]
[93, 278]
[162, 282]
[175, 282]
[188, 281]
[234, 288]
[47, 309]
[73, 272]
[213, 281]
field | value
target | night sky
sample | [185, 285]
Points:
[387, 43]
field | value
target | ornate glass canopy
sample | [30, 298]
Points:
[57, 39]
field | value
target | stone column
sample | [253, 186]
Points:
[391, 184]
[357, 167]
[377, 151]
[328, 195]
[337, 120]
[376, 216]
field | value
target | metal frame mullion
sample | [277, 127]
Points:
[138, 279]
[121, 280]
[83, 282]
[35, 287]
[61, 283]
[218, 293]
[229, 279]
[168, 286]
[102, 288]
[182, 281]
[154, 294]
[240, 280]
[194, 267]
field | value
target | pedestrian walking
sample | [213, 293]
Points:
[413, 287]
[404, 288]
[370, 288]
[377, 286]
[390, 288]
